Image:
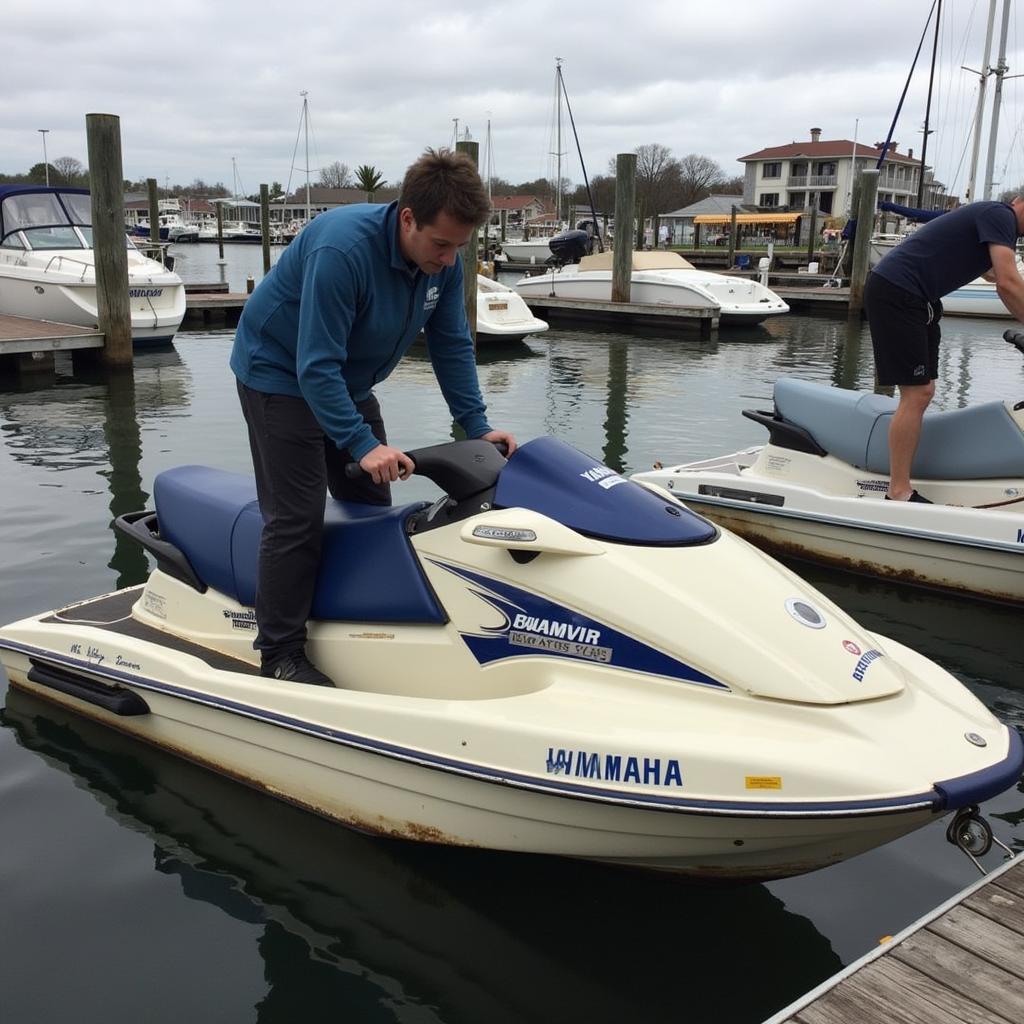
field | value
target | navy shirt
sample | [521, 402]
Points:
[948, 252]
[338, 311]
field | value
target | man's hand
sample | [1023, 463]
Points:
[386, 464]
[501, 437]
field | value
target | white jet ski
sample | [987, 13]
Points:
[547, 659]
[817, 489]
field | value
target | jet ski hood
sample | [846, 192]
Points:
[553, 478]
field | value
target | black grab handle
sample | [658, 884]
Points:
[1014, 338]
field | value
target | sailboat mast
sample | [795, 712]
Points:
[305, 125]
[997, 97]
[558, 142]
[979, 112]
[928, 107]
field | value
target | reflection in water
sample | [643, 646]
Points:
[124, 446]
[848, 369]
[374, 929]
[617, 415]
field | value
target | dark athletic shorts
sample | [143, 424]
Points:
[904, 333]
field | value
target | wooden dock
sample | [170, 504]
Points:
[219, 306]
[27, 345]
[702, 319]
[961, 964]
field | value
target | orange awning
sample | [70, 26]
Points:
[747, 218]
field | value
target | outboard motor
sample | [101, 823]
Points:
[570, 246]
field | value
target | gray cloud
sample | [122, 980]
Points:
[197, 83]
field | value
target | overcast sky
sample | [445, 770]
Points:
[385, 80]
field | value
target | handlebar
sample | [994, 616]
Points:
[427, 456]
[1014, 338]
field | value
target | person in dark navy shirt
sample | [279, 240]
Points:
[903, 299]
[327, 324]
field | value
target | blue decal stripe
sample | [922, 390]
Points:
[930, 800]
[625, 652]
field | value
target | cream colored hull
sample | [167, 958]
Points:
[844, 521]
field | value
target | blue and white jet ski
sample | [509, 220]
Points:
[817, 489]
[548, 659]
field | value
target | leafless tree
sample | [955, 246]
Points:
[70, 170]
[336, 175]
[698, 176]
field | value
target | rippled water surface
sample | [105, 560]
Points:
[134, 886]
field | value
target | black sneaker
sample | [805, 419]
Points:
[295, 667]
[915, 497]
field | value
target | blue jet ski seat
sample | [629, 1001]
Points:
[981, 442]
[368, 571]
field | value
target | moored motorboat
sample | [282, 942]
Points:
[547, 659]
[47, 269]
[501, 313]
[659, 278]
[816, 490]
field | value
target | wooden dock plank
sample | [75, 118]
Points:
[871, 996]
[984, 938]
[1001, 905]
[962, 961]
[912, 985]
[951, 965]
[1013, 881]
[21, 334]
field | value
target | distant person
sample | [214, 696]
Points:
[663, 236]
[903, 302]
[331, 320]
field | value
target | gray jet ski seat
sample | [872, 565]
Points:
[977, 443]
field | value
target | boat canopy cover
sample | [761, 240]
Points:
[910, 212]
[551, 477]
[654, 260]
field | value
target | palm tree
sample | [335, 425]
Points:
[369, 179]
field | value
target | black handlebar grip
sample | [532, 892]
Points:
[1015, 338]
[353, 471]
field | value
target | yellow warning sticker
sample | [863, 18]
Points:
[764, 782]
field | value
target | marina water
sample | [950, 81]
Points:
[134, 886]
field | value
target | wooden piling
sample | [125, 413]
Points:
[732, 237]
[470, 253]
[265, 226]
[103, 134]
[504, 225]
[154, 218]
[862, 243]
[812, 234]
[625, 202]
[220, 232]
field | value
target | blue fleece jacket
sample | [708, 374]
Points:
[337, 312]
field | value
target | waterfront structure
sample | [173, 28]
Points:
[820, 173]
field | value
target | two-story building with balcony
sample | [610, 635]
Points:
[820, 173]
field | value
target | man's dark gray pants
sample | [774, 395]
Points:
[296, 464]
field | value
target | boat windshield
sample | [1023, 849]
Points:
[44, 220]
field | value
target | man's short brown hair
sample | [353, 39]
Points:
[444, 181]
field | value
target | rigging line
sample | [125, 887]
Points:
[583, 166]
[291, 170]
[899, 106]
[954, 95]
[928, 110]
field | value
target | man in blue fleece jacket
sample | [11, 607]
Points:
[331, 320]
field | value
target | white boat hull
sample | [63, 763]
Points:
[252, 732]
[691, 707]
[740, 301]
[974, 551]
[502, 315]
[527, 252]
[63, 290]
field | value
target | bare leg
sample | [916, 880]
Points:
[904, 434]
